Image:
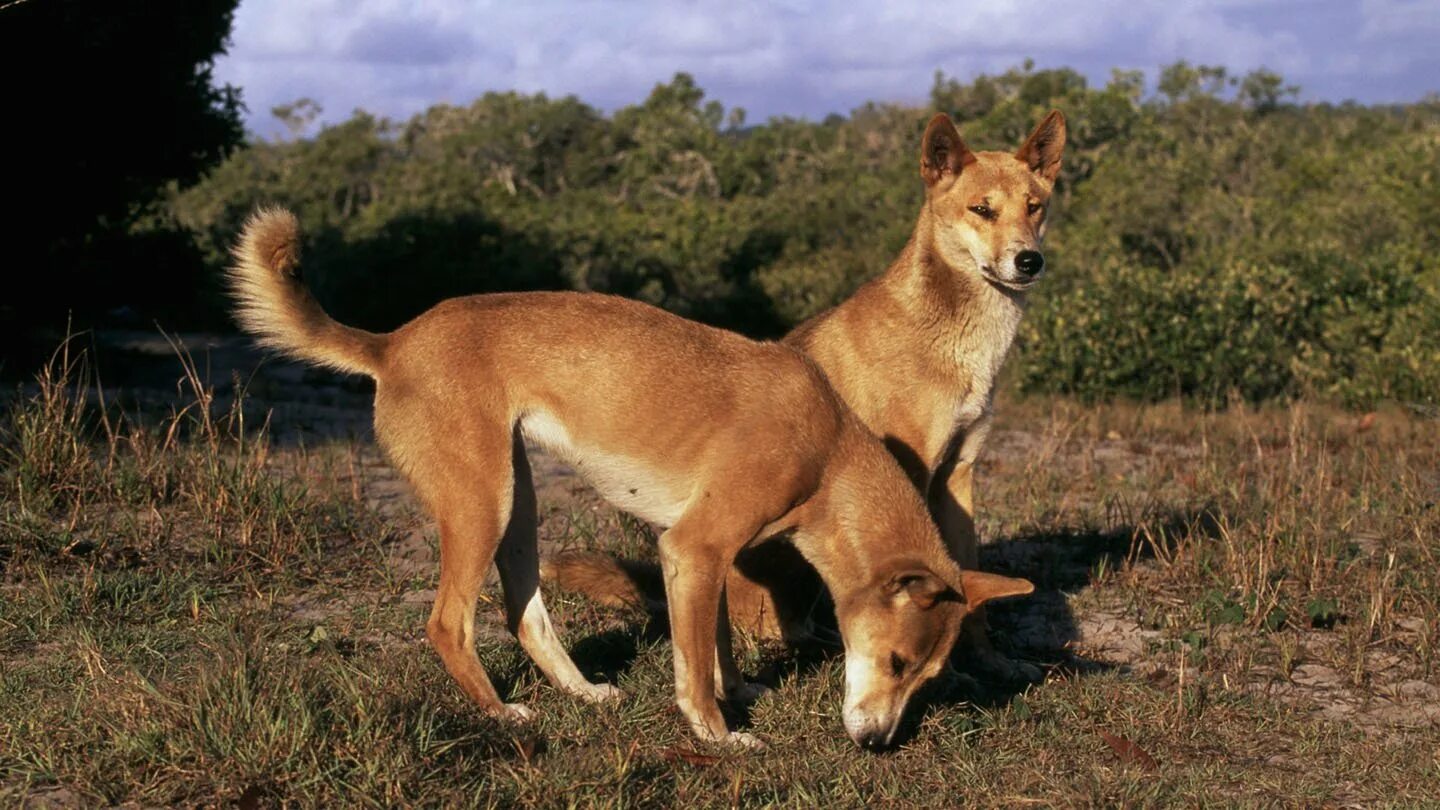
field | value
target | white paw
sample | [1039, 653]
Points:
[741, 739]
[516, 713]
[599, 692]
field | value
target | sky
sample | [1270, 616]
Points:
[803, 58]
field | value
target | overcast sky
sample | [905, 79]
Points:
[799, 57]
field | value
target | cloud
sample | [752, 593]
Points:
[1407, 19]
[402, 41]
[802, 57]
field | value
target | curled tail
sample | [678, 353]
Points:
[611, 581]
[273, 304]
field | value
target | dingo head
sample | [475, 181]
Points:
[898, 633]
[986, 210]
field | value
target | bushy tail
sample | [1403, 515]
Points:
[608, 580]
[273, 304]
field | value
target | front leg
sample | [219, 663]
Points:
[952, 502]
[952, 495]
[694, 580]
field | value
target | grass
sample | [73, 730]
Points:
[1234, 608]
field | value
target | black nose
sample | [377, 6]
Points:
[873, 741]
[1029, 262]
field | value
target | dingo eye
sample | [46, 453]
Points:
[897, 665]
[1033, 207]
[983, 210]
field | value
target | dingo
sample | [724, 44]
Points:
[724, 440]
[914, 353]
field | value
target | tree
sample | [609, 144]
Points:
[1182, 81]
[106, 103]
[1261, 90]
[1215, 237]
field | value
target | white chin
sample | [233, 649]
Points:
[1013, 283]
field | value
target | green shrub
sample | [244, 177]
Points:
[1210, 241]
[1321, 326]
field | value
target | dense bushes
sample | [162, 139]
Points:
[1209, 241]
[1356, 332]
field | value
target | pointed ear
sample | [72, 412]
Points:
[1042, 150]
[980, 587]
[921, 586]
[942, 153]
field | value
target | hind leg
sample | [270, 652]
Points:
[518, 562]
[470, 530]
[730, 684]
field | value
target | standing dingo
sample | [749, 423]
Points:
[915, 353]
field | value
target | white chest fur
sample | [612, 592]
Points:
[979, 353]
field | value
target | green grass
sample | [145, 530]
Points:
[192, 616]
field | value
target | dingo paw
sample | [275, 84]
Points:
[741, 739]
[516, 713]
[600, 693]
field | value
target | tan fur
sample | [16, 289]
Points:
[723, 440]
[273, 304]
[614, 583]
[915, 352]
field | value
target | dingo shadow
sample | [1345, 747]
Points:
[1039, 629]
[605, 656]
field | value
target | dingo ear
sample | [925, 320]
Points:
[942, 153]
[980, 587]
[1042, 150]
[922, 587]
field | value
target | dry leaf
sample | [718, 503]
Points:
[1130, 752]
[1366, 422]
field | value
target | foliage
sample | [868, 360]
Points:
[1211, 240]
[107, 103]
